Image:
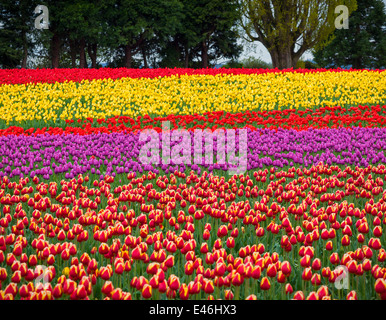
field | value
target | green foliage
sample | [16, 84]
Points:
[233, 64]
[363, 44]
[311, 65]
[207, 28]
[255, 63]
[16, 25]
[301, 64]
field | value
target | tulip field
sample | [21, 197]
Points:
[82, 217]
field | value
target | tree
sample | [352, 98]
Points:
[218, 29]
[363, 44]
[16, 23]
[289, 28]
[133, 24]
[208, 32]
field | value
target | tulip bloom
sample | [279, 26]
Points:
[147, 291]
[271, 271]
[288, 288]
[265, 284]
[380, 286]
[229, 295]
[184, 292]
[352, 295]
[307, 274]
[299, 295]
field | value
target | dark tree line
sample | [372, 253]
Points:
[121, 33]
[189, 33]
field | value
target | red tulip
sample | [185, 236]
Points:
[316, 264]
[360, 238]
[313, 296]
[381, 255]
[174, 282]
[377, 231]
[352, 266]
[105, 273]
[323, 292]
[16, 277]
[107, 288]
[334, 258]
[375, 243]
[57, 292]
[256, 272]
[230, 242]
[265, 284]
[288, 288]
[208, 287]
[271, 271]
[299, 295]
[147, 291]
[352, 295]
[237, 279]
[305, 262]
[345, 240]
[315, 280]
[229, 295]
[281, 277]
[307, 274]
[286, 268]
[380, 285]
[169, 261]
[24, 291]
[152, 268]
[184, 292]
[117, 294]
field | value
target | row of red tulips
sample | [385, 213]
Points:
[272, 234]
[324, 117]
[25, 76]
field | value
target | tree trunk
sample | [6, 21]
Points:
[92, 52]
[128, 56]
[357, 64]
[55, 50]
[82, 54]
[25, 51]
[186, 62]
[283, 59]
[73, 53]
[145, 65]
[204, 54]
